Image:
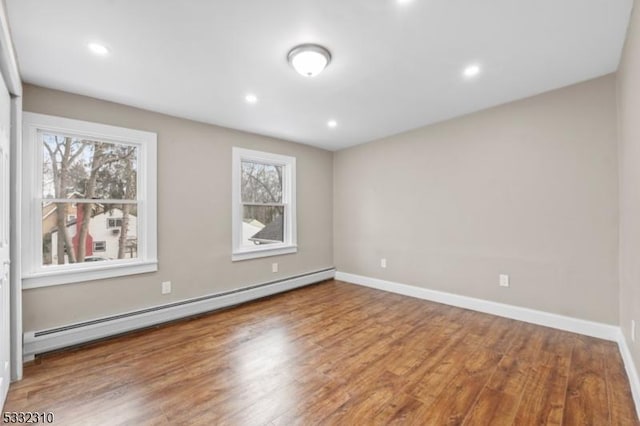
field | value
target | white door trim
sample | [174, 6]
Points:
[16, 238]
[5, 247]
[11, 75]
[8, 62]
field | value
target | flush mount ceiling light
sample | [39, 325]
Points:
[251, 98]
[332, 123]
[309, 59]
[98, 49]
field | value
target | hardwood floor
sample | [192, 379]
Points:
[334, 353]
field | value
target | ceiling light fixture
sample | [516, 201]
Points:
[98, 49]
[251, 98]
[332, 123]
[471, 71]
[309, 59]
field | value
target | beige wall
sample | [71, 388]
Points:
[528, 189]
[194, 215]
[629, 113]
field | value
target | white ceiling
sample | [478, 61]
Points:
[395, 66]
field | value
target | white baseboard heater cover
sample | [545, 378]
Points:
[37, 342]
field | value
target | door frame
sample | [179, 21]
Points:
[11, 75]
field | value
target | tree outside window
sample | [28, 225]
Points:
[86, 180]
[89, 201]
[263, 204]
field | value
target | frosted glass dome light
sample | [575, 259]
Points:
[309, 59]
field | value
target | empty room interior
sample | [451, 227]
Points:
[355, 212]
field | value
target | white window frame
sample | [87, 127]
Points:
[34, 273]
[288, 199]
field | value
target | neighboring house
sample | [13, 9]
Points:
[103, 237]
[250, 228]
[271, 233]
[49, 219]
[255, 232]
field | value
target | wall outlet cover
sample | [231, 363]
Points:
[504, 280]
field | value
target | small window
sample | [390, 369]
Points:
[264, 210]
[79, 177]
[114, 223]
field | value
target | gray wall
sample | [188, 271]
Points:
[194, 215]
[629, 113]
[528, 189]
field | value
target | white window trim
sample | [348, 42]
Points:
[289, 199]
[33, 273]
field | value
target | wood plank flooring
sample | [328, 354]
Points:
[335, 354]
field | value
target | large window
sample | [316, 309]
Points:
[264, 208]
[89, 199]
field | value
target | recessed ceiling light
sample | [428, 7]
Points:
[251, 98]
[98, 49]
[309, 59]
[332, 123]
[471, 71]
[403, 1]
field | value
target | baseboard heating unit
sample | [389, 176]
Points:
[37, 342]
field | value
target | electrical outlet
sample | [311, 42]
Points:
[383, 263]
[166, 287]
[504, 280]
[274, 267]
[633, 330]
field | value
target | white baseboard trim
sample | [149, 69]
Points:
[37, 342]
[632, 371]
[547, 319]
[561, 322]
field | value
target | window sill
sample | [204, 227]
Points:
[263, 252]
[69, 276]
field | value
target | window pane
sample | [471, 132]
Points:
[261, 183]
[74, 167]
[65, 231]
[262, 225]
